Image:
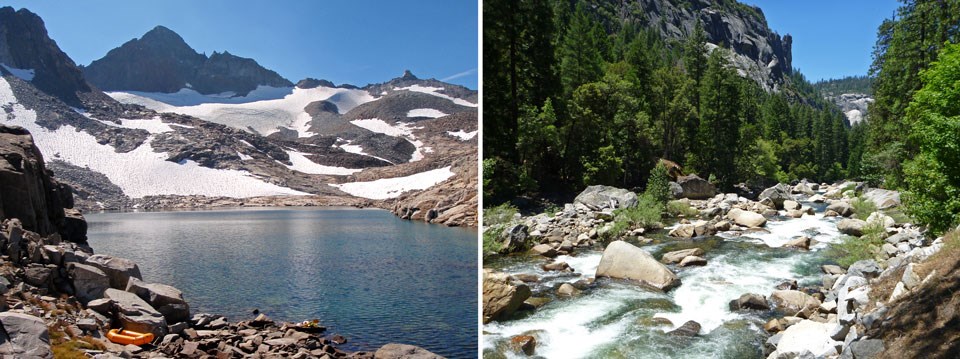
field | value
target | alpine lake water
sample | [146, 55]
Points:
[616, 319]
[364, 273]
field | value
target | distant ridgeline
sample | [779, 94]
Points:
[595, 93]
[849, 84]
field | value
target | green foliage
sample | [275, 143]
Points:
[849, 84]
[501, 214]
[499, 179]
[679, 208]
[605, 168]
[492, 242]
[853, 249]
[933, 177]
[719, 120]
[658, 184]
[863, 207]
[645, 214]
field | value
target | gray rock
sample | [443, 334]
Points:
[853, 227]
[842, 208]
[776, 195]
[101, 305]
[677, 256]
[794, 301]
[749, 301]
[24, 336]
[515, 239]
[910, 278]
[695, 187]
[746, 218]
[624, 261]
[867, 348]
[166, 299]
[118, 269]
[89, 282]
[37, 275]
[600, 197]
[136, 314]
[545, 250]
[882, 198]
[693, 261]
[867, 268]
[404, 351]
[688, 329]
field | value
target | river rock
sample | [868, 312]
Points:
[803, 188]
[882, 198]
[601, 197]
[502, 295]
[749, 301]
[688, 329]
[881, 219]
[790, 205]
[794, 301]
[523, 344]
[802, 242]
[683, 231]
[746, 218]
[695, 187]
[841, 207]
[118, 269]
[24, 336]
[693, 261]
[89, 282]
[776, 195]
[866, 348]
[555, 266]
[404, 351]
[677, 256]
[853, 227]
[833, 269]
[816, 199]
[136, 314]
[804, 336]
[166, 299]
[867, 268]
[567, 289]
[624, 261]
[545, 250]
[515, 239]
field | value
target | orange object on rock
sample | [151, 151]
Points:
[121, 336]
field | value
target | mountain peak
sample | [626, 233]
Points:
[162, 34]
[407, 75]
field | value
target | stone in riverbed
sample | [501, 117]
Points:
[776, 195]
[525, 344]
[120, 270]
[804, 336]
[24, 336]
[840, 207]
[749, 301]
[693, 261]
[746, 218]
[677, 256]
[790, 205]
[624, 261]
[556, 266]
[867, 268]
[802, 242]
[600, 197]
[502, 295]
[545, 250]
[694, 187]
[567, 289]
[853, 227]
[794, 301]
[688, 329]
[404, 351]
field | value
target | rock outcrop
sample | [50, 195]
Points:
[622, 260]
[24, 336]
[502, 295]
[606, 197]
[694, 187]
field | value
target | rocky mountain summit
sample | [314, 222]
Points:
[266, 143]
[759, 53]
[161, 61]
[853, 105]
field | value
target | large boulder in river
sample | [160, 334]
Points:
[777, 194]
[89, 282]
[677, 256]
[852, 227]
[166, 299]
[842, 208]
[749, 301]
[695, 187]
[404, 351]
[622, 260]
[746, 218]
[602, 197]
[883, 198]
[136, 314]
[502, 295]
[807, 336]
[118, 269]
[24, 336]
[794, 301]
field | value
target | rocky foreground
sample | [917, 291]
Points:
[59, 299]
[865, 310]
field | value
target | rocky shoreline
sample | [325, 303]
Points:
[848, 315]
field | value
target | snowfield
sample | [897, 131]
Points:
[401, 129]
[141, 172]
[23, 74]
[433, 91]
[393, 187]
[425, 112]
[462, 135]
[265, 110]
[303, 164]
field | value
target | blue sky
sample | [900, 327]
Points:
[356, 41]
[831, 38]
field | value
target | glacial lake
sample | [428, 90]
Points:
[364, 273]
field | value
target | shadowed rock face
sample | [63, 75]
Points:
[161, 61]
[24, 44]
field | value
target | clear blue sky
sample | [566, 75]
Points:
[831, 38]
[354, 41]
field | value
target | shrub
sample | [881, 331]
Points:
[491, 239]
[658, 184]
[679, 208]
[863, 207]
[501, 214]
[646, 213]
[853, 249]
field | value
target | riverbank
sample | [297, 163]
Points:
[733, 277]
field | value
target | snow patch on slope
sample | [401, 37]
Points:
[425, 112]
[393, 187]
[23, 74]
[264, 110]
[141, 172]
[303, 164]
[401, 129]
[434, 91]
[462, 135]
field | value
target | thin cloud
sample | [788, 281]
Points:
[459, 75]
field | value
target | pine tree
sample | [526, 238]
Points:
[719, 120]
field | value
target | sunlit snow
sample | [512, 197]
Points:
[303, 164]
[24, 74]
[462, 135]
[393, 187]
[401, 129]
[433, 91]
[425, 112]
